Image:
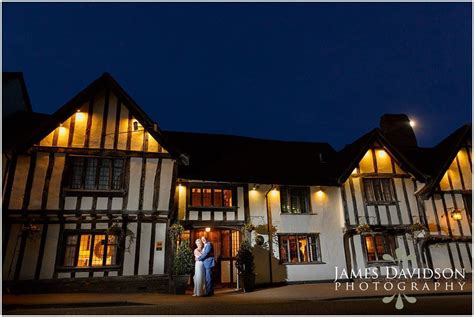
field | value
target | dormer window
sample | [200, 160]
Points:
[94, 173]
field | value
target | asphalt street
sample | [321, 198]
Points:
[440, 304]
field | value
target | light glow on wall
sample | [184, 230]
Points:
[381, 154]
[80, 115]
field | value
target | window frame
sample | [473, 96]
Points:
[378, 261]
[316, 236]
[61, 267]
[286, 190]
[212, 187]
[82, 190]
[392, 189]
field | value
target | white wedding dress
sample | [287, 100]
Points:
[199, 279]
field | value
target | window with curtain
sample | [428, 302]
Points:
[379, 190]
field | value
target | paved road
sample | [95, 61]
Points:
[447, 304]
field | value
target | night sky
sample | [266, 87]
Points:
[306, 72]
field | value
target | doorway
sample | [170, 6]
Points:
[226, 243]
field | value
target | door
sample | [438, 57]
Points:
[226, 244]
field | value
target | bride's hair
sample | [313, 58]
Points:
[196, 242]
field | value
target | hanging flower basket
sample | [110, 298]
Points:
[418, 230]
[365, 227]
[117, 230]
[32, 231]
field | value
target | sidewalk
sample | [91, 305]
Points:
[289, 293]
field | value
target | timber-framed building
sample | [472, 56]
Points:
[90, 191]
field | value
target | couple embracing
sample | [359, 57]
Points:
[204, 257]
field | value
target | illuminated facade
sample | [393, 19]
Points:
[90, 191]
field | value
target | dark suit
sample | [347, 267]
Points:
[207, 258]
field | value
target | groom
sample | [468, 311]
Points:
[207, 257]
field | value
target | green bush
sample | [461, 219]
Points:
[244, 259]
[183, 262]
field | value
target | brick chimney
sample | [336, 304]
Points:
[397, 129]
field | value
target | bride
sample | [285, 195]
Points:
[199, 272]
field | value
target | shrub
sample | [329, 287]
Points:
[183, 262]
[244, 259]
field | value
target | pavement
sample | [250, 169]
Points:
[283, 299]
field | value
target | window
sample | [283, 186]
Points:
[294, 200]
[90, 249]
[299, 248]
[94, 173]
[211, 197]
[377, 245]
[378, 190]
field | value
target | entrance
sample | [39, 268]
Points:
[226, 243]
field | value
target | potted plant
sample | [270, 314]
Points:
[246, 266]
[183, 264]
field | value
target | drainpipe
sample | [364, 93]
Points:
[270, 238]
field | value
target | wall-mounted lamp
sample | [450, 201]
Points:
[412, 123]
[455, 213]
[135, 125]
[79, 115]
[255, 187]
[382, 153]
[208, 229]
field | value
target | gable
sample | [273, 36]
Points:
[373, 153]
[458, 176]
[102, 121]
[377, 159]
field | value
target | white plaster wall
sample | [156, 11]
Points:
[49, 257]
[55, 182]
[31, 256]
[159, 260]
[129, 255]
[165, 184]
[19, 182]
[11, 254]
[144, 258]
[42, 160]
[151, 165]
[134, 185]
[326, 219]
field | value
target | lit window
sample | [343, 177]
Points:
[86, 250]
[377, 245]
[299, 248]
[211, 197]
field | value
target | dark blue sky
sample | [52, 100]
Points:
[310, 72]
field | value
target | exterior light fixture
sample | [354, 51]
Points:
[456, 214]
[208, 229]
[412, 123]
[79, 115]
[135, 125]
[382, 153]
